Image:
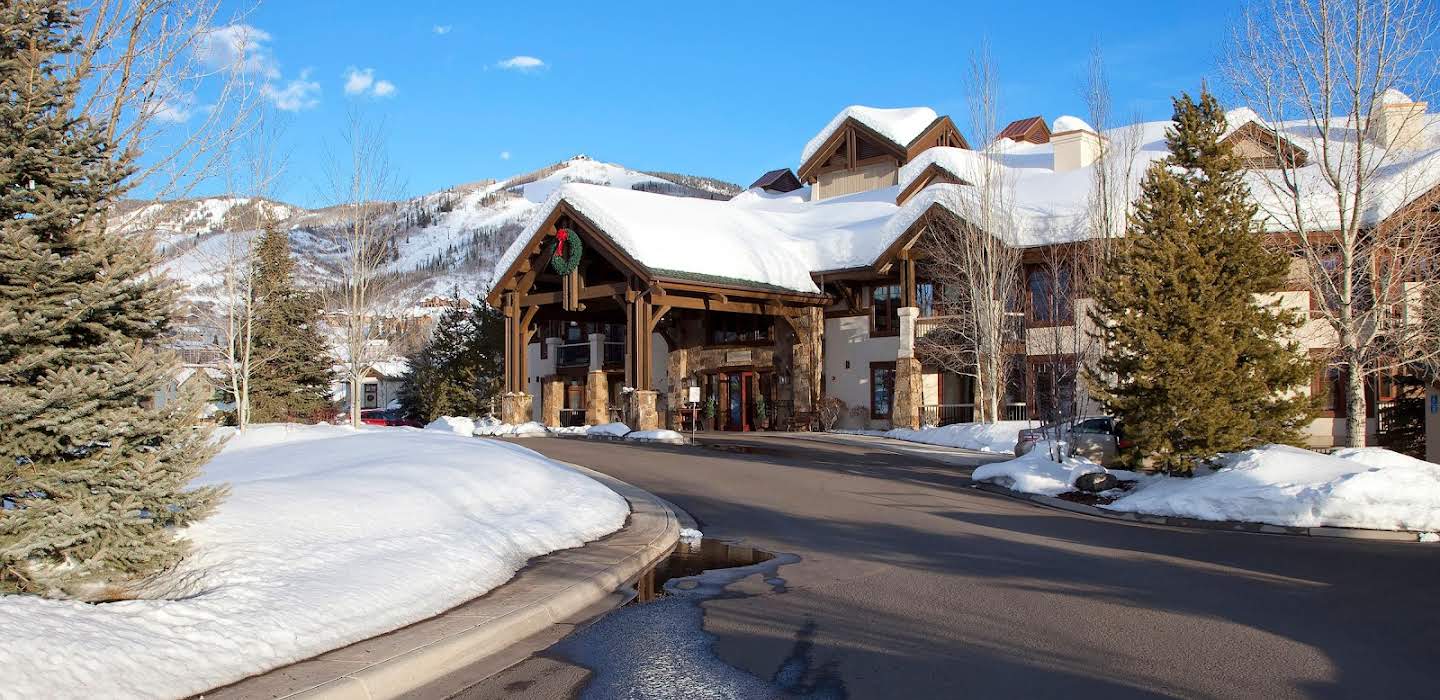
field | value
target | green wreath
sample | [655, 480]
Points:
[565, 252]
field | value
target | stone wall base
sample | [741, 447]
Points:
[597, 399]
[552, 399]
[905, 404]
[640, 411]
[516, 407]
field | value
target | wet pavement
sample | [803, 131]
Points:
[906, 583]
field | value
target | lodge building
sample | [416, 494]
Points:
[808, 287]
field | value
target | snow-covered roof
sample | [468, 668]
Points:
[900, 125]
[392, 368]
[757, 237]
[780, 239]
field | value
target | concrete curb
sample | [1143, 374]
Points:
[1351, 533]
[560, 587]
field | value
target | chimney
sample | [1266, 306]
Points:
[1076, 143]
[1396, 121]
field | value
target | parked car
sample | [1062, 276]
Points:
[387, 416]
[1096, 438]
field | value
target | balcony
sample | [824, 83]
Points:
[573, 355]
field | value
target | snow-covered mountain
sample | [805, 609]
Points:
[440, 244]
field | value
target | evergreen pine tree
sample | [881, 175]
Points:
[1194, 363]
[458, 371]
[92, 476]
[291, 377]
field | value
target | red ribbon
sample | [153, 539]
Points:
[560, 238]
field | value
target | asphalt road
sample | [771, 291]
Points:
[912, 585]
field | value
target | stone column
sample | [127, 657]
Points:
[640, 410]
[676, 367]
[807, 366]
[516, 407]
[905, 404]
[597, 387]
[552, 398]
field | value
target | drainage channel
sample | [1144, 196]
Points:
[657, 647]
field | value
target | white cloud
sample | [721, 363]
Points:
[441, 29]
[521, 63]
[504, 155]
[357, 81]
[238, 47]
[296, 95]
[361, 81]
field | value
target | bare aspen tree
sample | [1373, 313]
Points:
[361, 182]
[146, 79]
[1066, 271]
[974, 261]
[260, 167]
[1330, 67]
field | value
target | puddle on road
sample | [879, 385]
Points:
[659, 648]
[692, 558]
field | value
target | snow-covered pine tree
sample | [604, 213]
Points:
[1194, 364]
[458, 371]
[291, 376]
[92, 476]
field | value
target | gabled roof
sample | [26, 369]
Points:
[1247, 126]
[904, 132]
[779, 180]
[1032, 129]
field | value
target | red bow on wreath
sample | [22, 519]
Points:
[560, 237]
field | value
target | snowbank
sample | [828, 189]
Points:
[330, 535]
[610, 429]
[656, 436]
[458, 425]
[1367, 488]
[998, 437]
[1035, 472]
[531, 429]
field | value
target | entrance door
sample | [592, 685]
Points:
[739, 408]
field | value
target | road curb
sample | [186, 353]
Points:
[552, 589]
[1350, 533]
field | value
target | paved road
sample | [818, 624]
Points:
[911, 585]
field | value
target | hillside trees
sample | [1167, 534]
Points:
[93, 476]
[458, 372]
[1194, 364]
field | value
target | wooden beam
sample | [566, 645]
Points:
[656, 316]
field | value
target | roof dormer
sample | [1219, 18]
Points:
[862, 148]
[1258, 145]
[1031, 129]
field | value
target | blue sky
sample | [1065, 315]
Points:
[728, 90]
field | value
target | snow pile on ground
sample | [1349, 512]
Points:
[1035, 472]
[458, 425]
[1367, 488]
[998, 437]
[656, 436]
[610, 429]
[531, 429]
[330, 535]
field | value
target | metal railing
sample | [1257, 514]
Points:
[572, 417]
[573, 355]
[1016, 411]
[947, 413]
[614, 353]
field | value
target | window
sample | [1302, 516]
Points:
[926, 296]
[1329, 385]
[1052, 388]
[882, 388]
[737, 329]
[885, 310]
[1048, 288]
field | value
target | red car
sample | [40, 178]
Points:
[387, 416]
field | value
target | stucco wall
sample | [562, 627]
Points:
[847, 339]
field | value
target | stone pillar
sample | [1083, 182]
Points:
[905, 404]
[677, 364]
[807, 368]
[516, 407]
[597, 399]
[552, 398]
[640, 411]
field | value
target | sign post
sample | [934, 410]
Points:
[694, 401]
